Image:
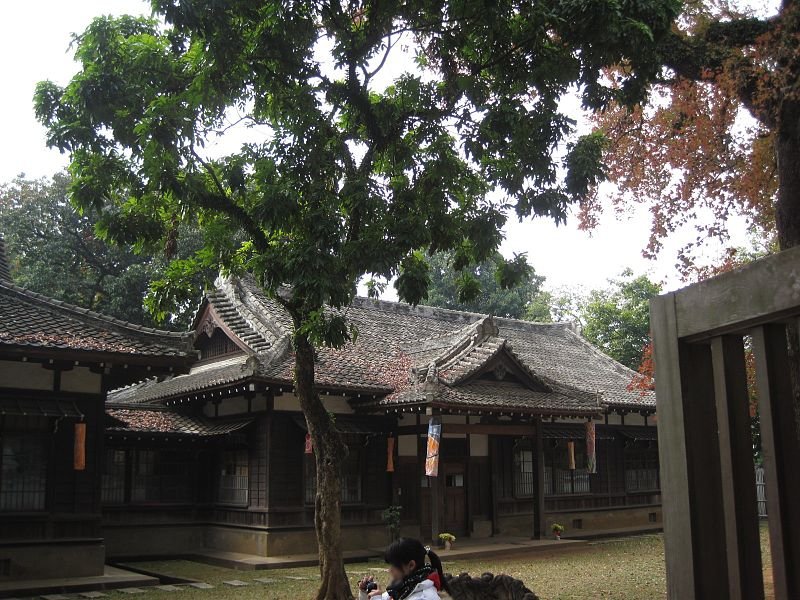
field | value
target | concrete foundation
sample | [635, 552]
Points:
[48, 559]
[577, 523]
[162, 541]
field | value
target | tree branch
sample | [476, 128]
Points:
[224, 203]
[702, 56]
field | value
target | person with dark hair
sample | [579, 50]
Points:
[412, 578]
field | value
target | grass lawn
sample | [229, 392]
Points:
[623, 569]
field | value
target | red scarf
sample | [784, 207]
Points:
[437, 582]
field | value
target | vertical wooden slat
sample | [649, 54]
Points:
[740, 509]
[781, 457]
[705, 485]
[674, 465]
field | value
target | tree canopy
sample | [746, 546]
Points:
[55, 251]
[448, 286]
[355, 170]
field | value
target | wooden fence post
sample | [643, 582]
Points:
[740, 509]
[781, 457]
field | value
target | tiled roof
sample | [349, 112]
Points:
[30, 320]
[153, 420]
[398, 344]
[201, 377]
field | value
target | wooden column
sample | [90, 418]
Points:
[494, 473]
[468, 480]
[674, 465]
[539, 525]
[270, 406]
[419, 474]
[740, 507]
[781, 457]
[690, 463]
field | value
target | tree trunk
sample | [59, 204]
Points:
[787, 219]
[787, 152]
[329, 450]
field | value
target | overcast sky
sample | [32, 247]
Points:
[34, 41]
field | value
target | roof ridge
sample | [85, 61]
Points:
[79, 311]
[238, 293]
[365, 301]
[612, 361]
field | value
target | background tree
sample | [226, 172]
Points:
[485, 292]
[617, 320]
[357, 172]
[55, 251]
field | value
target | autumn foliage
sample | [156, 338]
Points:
[702, 149]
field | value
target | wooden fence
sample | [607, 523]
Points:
[711, 513]
[761, 494]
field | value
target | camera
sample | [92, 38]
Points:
[371, 586]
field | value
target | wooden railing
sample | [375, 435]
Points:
[701, 335]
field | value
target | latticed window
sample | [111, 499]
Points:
[157, 476]
[234, 478]
[559, 479]
[523, 470]
[113, 481]
[23, 471]
[641, 467]
[144, 482]
[351, 478]
[218, 344]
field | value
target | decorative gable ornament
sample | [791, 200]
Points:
[500, 371]
[209, 326]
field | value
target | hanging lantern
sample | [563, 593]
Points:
[309, 446]
[571, 454]
[591, 456]
[390, 455]
[79, 449]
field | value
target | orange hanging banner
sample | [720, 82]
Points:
[432, 456]
[390, 455]
[79, 450]
[571, 455]
[591, 454]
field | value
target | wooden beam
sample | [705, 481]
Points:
[483, 428]
[745, 297]
[781, 456]
[745, 580]
[674, 465]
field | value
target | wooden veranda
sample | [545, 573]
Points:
[700, 335]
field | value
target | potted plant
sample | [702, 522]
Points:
[557, 530]
[391, 517]
[447, 539]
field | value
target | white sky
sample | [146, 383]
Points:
[34, 39]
